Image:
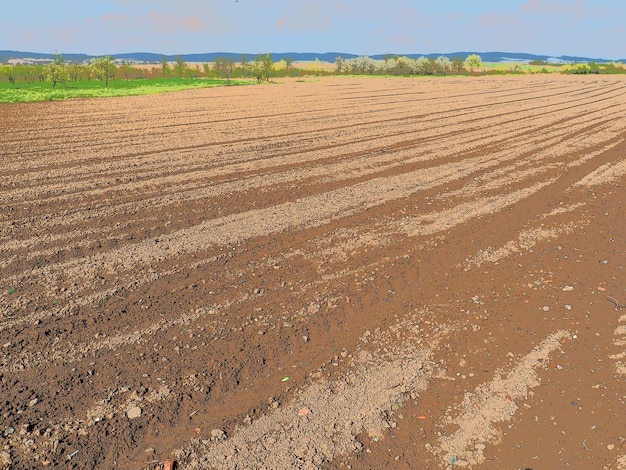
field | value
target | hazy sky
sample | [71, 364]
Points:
[553, 27]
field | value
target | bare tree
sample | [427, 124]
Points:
[288, 63]
[224, 67]
[164, 66]
[179, 65]
[126, 69]
[457, 64]
[243, 61]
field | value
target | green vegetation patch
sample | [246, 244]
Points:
[22, 92]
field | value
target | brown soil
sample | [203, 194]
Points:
[346, 273]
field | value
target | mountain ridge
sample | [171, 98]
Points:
[150, 57]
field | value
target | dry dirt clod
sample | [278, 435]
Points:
[133, 412]
[5, 459]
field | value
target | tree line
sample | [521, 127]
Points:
[261, 68]
[60, 71]
[104, 69]
[402, 65]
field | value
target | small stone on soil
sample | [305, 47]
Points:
[5, 459]
[134, 412]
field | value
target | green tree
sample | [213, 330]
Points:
[8, 71]
[473, 62]
[104, 68]
[11, 73]
[57, 71]
[256, 70]
[268, 66]
[263, 67]
[74, 71]
[21, 70]
[39, 71]
[179, 65]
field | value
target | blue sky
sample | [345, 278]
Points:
[553, 27]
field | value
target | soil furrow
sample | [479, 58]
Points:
[350, 271]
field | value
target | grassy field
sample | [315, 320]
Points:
[22, 92]
[519, 67]
[581, 68]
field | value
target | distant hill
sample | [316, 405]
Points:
[150, 57]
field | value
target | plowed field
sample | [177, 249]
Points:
[344, 273]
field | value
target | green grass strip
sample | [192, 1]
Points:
[25, 92]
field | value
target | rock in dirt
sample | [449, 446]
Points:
[217, 435]
[134, 412]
